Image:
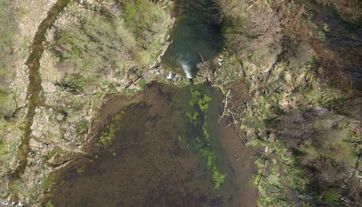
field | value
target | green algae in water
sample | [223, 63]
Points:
[152, 166]
[108, 133]
[200, 139]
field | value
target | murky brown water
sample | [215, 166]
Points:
[159, 156]
[150, 162]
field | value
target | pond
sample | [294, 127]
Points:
[153, 159]
[196, 35]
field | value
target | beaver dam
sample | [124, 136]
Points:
[165, 146]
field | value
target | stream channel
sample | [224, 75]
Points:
[164, 147]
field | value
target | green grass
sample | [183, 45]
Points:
[281, 175]
[82, 127]
[47, 182]
[55, 151]
[100, 45]
[284, 174]
[49, 204]
[3, 149]
[7, 31]
[145, 19]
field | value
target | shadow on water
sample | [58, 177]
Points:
[196, 34]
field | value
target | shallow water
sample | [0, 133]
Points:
[151, 162]
[147, 164]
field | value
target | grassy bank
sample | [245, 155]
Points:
[296, 107]
[113, 43]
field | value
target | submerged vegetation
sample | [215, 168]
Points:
[109, 132]
[200, 139]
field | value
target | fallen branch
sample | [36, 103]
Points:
[233, 117]
[225, 105]
[358, 163]
[202, 58]
[263, 172]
